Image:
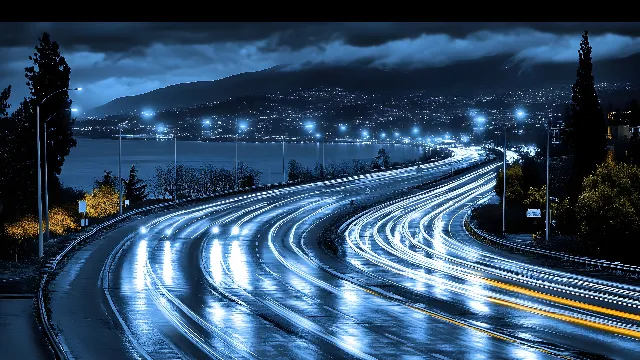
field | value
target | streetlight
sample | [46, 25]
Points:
[284, 174]
[39, 164]
[241, 126]
[120, 166]
[319, 136]
[548, 213]
[519, 115]
[46, 176]
[175, 167]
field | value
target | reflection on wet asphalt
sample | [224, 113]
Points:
[248, 279]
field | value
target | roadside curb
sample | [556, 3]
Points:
[588, 263]
[17, 296]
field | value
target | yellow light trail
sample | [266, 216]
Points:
[568, 318]
[563, 301]
[458, 323]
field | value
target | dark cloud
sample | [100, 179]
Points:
[118, 59]
[121, 37]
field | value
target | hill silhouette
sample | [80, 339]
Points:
[489, 75]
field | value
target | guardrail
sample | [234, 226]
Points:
[492, 240]
[51, 265]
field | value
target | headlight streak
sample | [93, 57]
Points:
[155, 286]
[367, 254]
[162, 296]
[624, 289]
[286, 313]
[407, 234]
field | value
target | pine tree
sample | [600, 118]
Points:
[136, 189]
[588, 138]
[50, 76]
[4, 145]
[108, 179]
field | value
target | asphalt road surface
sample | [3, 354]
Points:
[244, 277]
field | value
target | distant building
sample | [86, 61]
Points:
[619, 118]
[620, 132]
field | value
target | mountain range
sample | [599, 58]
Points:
[489, 75]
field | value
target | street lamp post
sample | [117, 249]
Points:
[323, 135]
[175, 165]
[519, 114]
[120, 165]
[547, 212]
[237, 185]
[504, 184]
[39, 165]
[284, 174]
[46, 178]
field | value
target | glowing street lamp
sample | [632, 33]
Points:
[239, 127]
[46, 176]
[39, 163]
[519, 115]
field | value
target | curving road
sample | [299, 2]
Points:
[244, 277]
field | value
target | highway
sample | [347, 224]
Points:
[244, 277]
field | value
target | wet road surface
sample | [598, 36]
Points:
[245, 277]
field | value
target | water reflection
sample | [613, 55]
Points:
[524, 354]
[215, 261]
[139, 265]
[167, 265]
[238, 266]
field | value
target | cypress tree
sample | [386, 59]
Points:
[587, 122]
[136, 189]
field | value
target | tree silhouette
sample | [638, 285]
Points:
[49, 74]
[136, 189]
[108, 179]
[4, 143]
[586, 120]
[17, 145]
[382, 160]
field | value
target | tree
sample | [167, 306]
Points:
[19, 162]
[103, 201]
[49, 76]
[586, 119]
[608, 209]
[298, 172]
[135, 188]
[531, 174]
[515, 194]
[107, 180]
[382, 160]
[247, 176]
[4, 144]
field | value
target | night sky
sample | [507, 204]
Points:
[111, 60]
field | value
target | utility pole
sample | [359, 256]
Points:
[175, 166]
[284, 174]
[504, 185]
[40, 235]
[548, 214]
[120, 166]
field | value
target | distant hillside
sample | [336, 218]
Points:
[489, 75]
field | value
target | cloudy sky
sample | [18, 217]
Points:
[111, 60]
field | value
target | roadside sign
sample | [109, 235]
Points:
[82, 206]
[533, 213]
[126, 203]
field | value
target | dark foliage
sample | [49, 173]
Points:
[586, 121]
[108, 179]
[135, 188]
